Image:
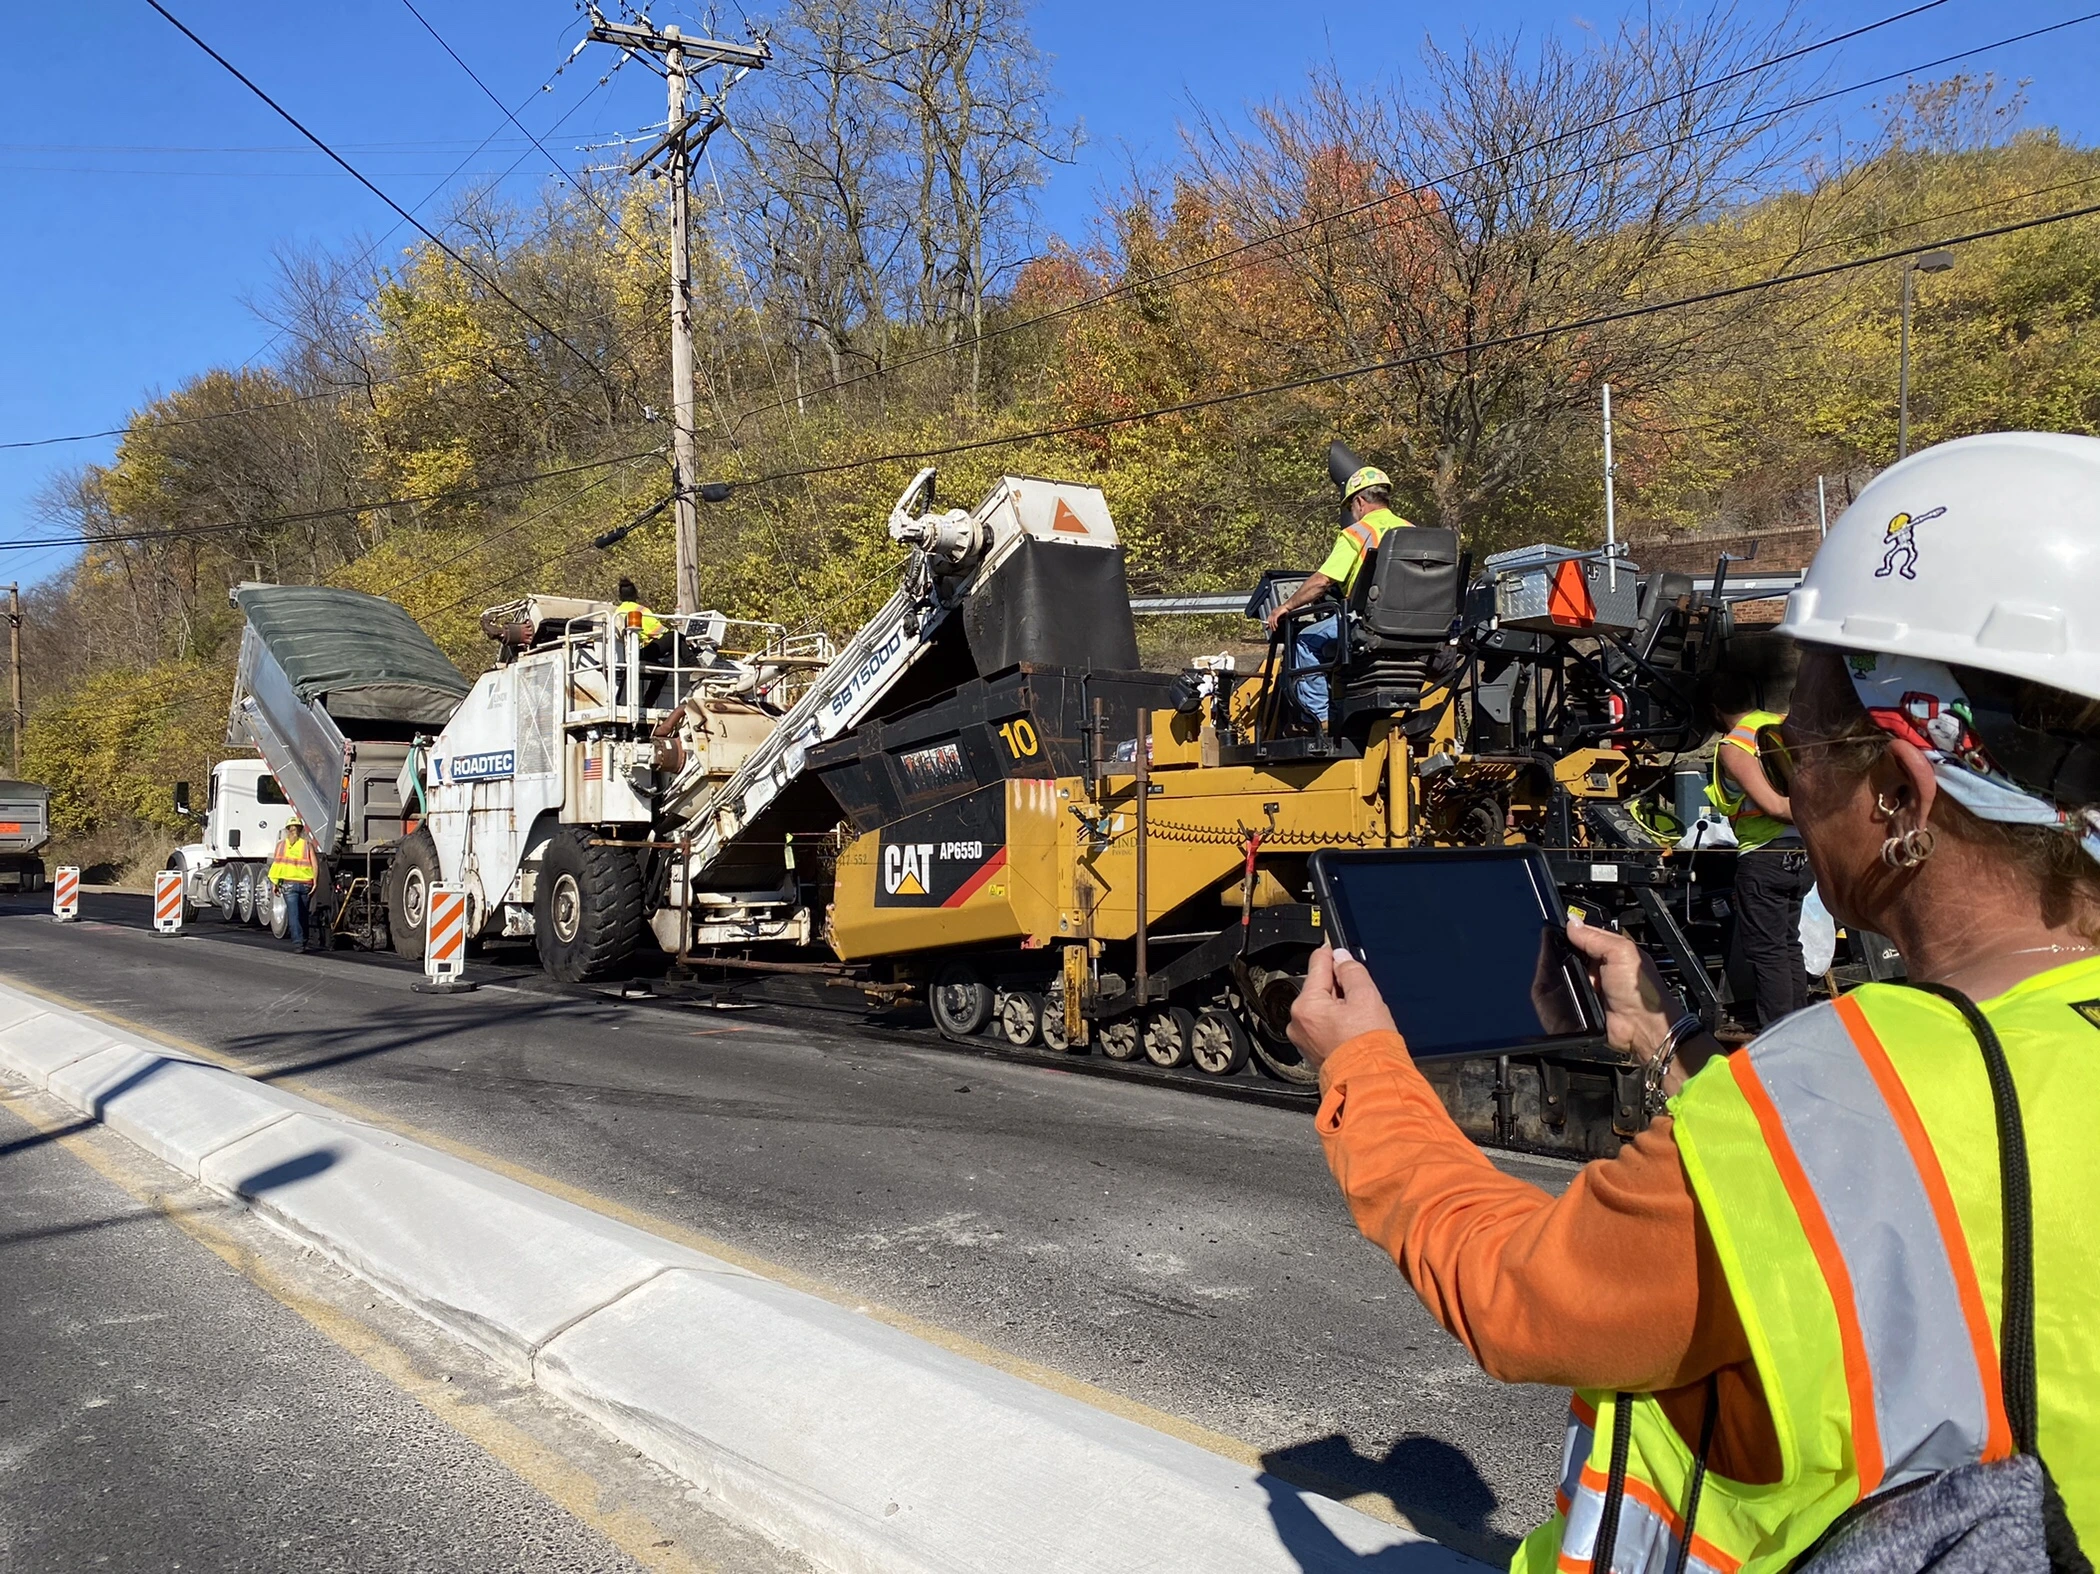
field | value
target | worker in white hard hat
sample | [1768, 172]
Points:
[1836, 1308]
[1367, 498]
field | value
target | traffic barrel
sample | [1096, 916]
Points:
[445, 942]
[167, 902]
[65, 896]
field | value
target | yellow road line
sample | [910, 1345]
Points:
[1375, 1504]
[523, 1456]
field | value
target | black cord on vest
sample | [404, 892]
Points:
[1707, 1423]
[2016, 1364]
[1607, 1541]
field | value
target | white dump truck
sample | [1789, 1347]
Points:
[610, 779]
[331, 691]
[25, 826]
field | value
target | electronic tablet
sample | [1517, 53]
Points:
[1468, 945]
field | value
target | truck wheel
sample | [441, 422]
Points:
[587, 912]
[223, 895]
[280, 918]
[244, 883]
[962, 1001]
[414, 871]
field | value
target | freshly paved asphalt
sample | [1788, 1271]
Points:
[1187, 1252]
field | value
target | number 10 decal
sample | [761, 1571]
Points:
[1020, 738]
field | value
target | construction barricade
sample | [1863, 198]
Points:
[445, 942]
[167, 902]
[65, 896]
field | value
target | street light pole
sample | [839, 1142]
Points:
[1930, 262]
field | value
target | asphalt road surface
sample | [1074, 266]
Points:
[164, 1410]
[1189, 1253]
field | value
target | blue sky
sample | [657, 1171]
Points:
[147, 192]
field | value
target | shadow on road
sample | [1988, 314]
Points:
[1433, 1484]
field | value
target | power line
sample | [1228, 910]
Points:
[428, 234]
[195, 532]
[560, 169]
[1418, 358]
[1173, 277]
[346, 389]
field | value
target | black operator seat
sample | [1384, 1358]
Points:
[1401, 611]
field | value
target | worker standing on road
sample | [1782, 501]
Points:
[1367, 498]
[1837, 1309]
[1772, 878]
[292, 871]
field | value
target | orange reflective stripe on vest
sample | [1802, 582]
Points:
[1920, 1362]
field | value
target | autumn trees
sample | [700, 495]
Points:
[1440, 266]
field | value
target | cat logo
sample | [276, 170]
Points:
[907, 868]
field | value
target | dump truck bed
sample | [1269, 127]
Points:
[323, 674]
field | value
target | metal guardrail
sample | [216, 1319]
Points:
[1760, 587]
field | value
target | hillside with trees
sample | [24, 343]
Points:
[1442, 268]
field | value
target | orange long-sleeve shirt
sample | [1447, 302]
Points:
[1614, 1284]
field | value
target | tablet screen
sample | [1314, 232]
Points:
[1466, 946]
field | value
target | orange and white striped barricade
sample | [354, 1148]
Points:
[167, 902]
[65, 896]
[445, 942]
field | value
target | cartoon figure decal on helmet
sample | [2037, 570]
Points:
[1902, 554]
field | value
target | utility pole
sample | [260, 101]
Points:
[14, 666]
[684, 139]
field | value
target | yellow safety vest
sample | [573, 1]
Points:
[293, 861]
[1346, 560]
[652, 625]
[1846, 1164]
[1752, 826]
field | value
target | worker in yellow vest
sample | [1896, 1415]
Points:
[1772, 878]
[1835, 1309]
[293, 870]
[630, 605]
[1367, 498]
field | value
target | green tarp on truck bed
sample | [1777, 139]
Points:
[362, 657]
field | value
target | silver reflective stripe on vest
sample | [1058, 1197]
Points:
[1929, 1400]
[1647, 1541]
[1574, 1454]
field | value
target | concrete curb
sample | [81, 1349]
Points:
[861, 1447]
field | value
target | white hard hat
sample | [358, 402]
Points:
[1983, 552]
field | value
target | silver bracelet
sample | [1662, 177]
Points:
[1654, 1101]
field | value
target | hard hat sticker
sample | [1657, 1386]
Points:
[1902, 554]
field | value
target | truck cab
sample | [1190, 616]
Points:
[244, 813]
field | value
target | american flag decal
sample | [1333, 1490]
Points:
[594, 768]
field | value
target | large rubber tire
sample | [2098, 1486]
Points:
[224, 900]
[961, 1001]
[244, 884]
[408, 882]
[587, 912]
[280, 914]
